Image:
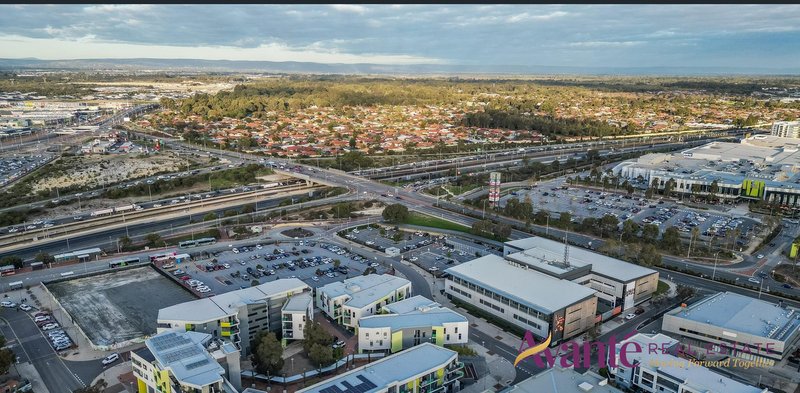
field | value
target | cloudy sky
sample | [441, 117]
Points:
[551, 35]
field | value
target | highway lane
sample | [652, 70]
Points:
[107, 239]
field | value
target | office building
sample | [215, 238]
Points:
[297, 311]
[425, 368]
[619, 285]
[786, 129]
[657, 370]
[236, 316]
[354, 298]
[411, 322]
[564, 380]
[543, 304]
[760, 167]
[186, 362]
[737, 325]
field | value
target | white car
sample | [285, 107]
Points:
[157, 205]
[8, 304]
[110, 359]
[754, 280]
[258, 246]
[630, 316]
[413, 259]
[25, 307]
[235, 250]
[226, 266]
[759, 256]
[50, 326]
[374, 264]
[370, 242]
[42, 318]
[314, 278]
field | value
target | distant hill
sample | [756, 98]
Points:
[413, 69]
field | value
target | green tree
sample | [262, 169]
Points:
[125, 242]
[395, 213]
[564, 220]
[267, 356]
[671, 239]
[254, 283]
[7, 357]
[629, 229]
[210, 217]
[154, 240]
[12, 260]
[649, 256]
[650, 233]
[44, 257]
[609, 223]
[246, 209]
[337, 263]
[317, 344]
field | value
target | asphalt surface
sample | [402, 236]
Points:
[36, 349]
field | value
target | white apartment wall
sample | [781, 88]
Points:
[450, 335]
[374, 336]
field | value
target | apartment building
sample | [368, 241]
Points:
[186, 362]
[295, 314]
[786, 129]
[425, 368]
[236, 316]
[346, 302]
[411, 322]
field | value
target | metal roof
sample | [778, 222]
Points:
[526, 286]
[364, 290]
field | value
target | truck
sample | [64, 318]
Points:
[126, 208]
[270, 185]
[102, 212]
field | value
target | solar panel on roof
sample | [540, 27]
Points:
[194, 365]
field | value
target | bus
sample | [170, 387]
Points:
[37, 266]
[15, 285]
[7, 270]
[122, 262]
[161, 257]
[206, 241]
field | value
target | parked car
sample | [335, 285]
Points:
[630, 316]
[41, 318]
[110, 359]
[8, 304]
[50, 326]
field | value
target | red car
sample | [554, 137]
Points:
[186, 278]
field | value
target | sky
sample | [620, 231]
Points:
[545, 35]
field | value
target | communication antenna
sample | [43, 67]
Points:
[566, 250]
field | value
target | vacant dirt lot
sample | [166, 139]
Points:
[95, 171]
[118, 306]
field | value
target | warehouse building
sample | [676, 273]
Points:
[737, 325]
[347, 301]
[236, 316]
[411, 322]
[538, 302]
[619, 285]
[657, 370]
[423, 368]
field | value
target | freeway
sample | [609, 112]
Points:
[164, 226]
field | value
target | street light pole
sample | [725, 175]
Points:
[714, 272]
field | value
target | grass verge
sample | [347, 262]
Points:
[433, 222]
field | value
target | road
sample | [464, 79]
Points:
[36, 349]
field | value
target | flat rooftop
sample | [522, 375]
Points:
[431, 317]
[742, 314]
[410, 304]
[364, 290]
[699, 378]
[298, 303]
[376, 376]
[772, 159]
[526, 286]
[564, 380]
[548, 255]
[185, 354]
[226, 304]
